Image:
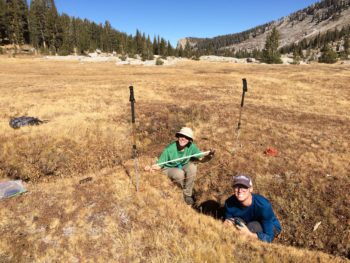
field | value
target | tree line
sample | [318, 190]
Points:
[271, 54]
[319, 41]
[41, 26]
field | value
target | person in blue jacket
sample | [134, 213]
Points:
[250, 213]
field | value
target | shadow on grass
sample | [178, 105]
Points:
[211, 208]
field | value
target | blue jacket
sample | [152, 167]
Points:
[260, 210]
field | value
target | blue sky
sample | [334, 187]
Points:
[182, 18]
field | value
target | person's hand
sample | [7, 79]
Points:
[207, 156]
[152, 168]
[242, 228]
[228, 223]
[211, 152]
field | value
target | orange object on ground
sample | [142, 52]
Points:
[271, 151]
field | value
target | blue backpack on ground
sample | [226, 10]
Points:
[24, 121]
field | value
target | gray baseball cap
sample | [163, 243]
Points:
[242, 179]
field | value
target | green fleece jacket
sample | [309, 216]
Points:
[171, 152]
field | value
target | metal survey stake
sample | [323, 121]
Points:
[238, 131]
[134, 149]
[245, 89]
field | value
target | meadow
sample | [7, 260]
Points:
[300, 110]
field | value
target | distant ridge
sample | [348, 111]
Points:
[305, 24]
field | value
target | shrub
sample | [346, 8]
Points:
[44, 51]
[147, 56]
[344, 56]
[64, 52]
[328, 56]
[296, 58]
[159, 62]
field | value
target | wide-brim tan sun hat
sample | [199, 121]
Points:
[187, 132]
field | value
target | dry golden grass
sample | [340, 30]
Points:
[300, 110]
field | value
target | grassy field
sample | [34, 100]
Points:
[302, 111]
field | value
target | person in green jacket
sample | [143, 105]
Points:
[182, 171]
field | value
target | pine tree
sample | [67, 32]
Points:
[180, 52]
[94, 32]
[53, 29]
[328, 55]
[3, 23]
[45, 29]
[68, 40]
[256, 53]
[162, 48]
[24, 10]
[81, 34]
[37, 23]
[145, 52]
[149, 46]
[16, 15]
[317, 41]
[296, 57]
[271, 54]
[347, 46]
[155, 46]
[122, 44]
[158, 41]
[210, 49]
[13, 23]
[139, 42]
[114, 37]
[144, 42]
[131, 47]
[170, 50]
[107, 37]
[187, 50]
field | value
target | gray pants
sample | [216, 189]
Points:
[183, 177]
[255, 227]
